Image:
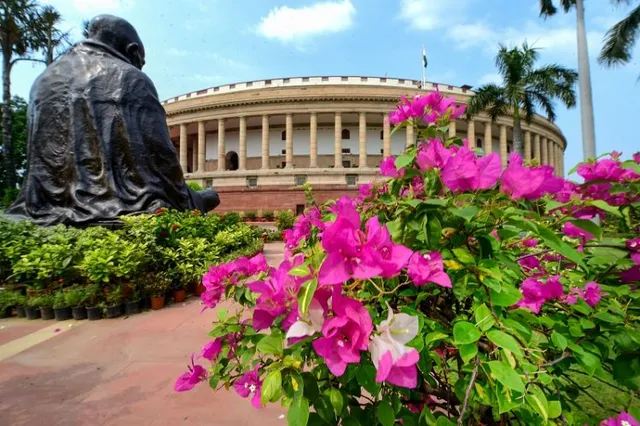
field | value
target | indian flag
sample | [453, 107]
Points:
[424, 58]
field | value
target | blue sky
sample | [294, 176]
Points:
[193, 44]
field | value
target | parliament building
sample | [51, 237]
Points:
[257, 142]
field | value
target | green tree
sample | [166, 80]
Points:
[54, 39]
[620, 39]
[18, 109]
[523, 88]
[548, 8]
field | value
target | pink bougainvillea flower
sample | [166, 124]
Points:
[535, 293]
[396, 362]
[604, 169]
[636, 157]
[631, 275]
[428, 268]
[211, 350]
[530, 183]
[346, 207]
[529, 262]
[345, 334]
[348, 254]
[390, 257]
[278, 293]
[388, 168]
[365, 191]
[432, 154]
[465, 172]
[634, 246]
[529, 242]
[250, 385]
[191, 378]
[592, 293]
[211, 297]
[568, 191]
[573, 231]
[624, 419]
[408, 109]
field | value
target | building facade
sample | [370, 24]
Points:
[257, 142]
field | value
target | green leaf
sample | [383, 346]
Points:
[555, 409]
[366, 375]
[555, 243]
[427, 417]
[484, 319]
[436, 201]
[607, 317]
[434, 336]
[305, 295]
[588, 226]
[603, 205]
[271, 386]
[350, 421]
[626, 370]
[505, 341]
[467, 213]
[464, 256]
[589, 361]
[443, 421]
[336, 400]
[222, 314]
[404, 160]
[270, 345]
[298, 414]
[300, 271]
[506, 375]
[559, 340]
[385, 414]
[467, 352]
[538, 405]
[509, 296]
[464, 332]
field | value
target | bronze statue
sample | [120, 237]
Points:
[98, 143]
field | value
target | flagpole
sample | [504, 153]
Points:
[424, 71]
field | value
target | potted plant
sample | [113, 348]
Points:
[33, 307]
[46, 306]
[94, 302]
[115, 307]
[20, 304]
[132, 304]
[179, 293]
[268, 216]
[76, 298]
[157, 289]
[61, 308]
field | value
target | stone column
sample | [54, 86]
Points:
[386, 136]
[544, 154]
[183, 147]
[362, 147]
[202, 147]
[265, 141]
[337, 141]
[550, 153]
[221, 148]
[242, 160]
[194, 156]
[536, 148]
[411, 139]
[452, 129]
[488, 138]
[527, 145]
[503, 145]
[313, 140]
[471, 133]
[289, 140]
[561, 159]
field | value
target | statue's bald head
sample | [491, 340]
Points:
[120, 35]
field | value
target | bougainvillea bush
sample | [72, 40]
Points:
[457, 292]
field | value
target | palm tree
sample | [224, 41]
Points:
[547, 8]
[523, 88]
[54, 39]
[620, 39]
[18, 41]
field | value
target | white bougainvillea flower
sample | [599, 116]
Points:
[396, 362]
[308, 325]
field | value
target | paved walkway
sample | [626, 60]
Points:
[116, 372]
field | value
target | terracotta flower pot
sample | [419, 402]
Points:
[200, 288]
[157, 302]
[178, 296]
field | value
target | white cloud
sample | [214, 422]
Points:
[289, 24]
[431, 14]
[491, 78]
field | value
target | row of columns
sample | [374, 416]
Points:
[539, 146]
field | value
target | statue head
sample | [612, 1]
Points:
[118, 34]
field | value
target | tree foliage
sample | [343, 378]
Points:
[19, 136]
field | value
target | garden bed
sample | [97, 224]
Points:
[61, 272]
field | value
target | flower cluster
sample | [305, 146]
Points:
[457, 289]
